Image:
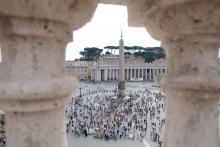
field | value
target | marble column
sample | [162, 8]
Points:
[116, 74]
[189, 31]
[129, 74]
[126, 74]
[99, 75]
[135, 73]
[110, 74]
[113, 74]
[146, 75]
[106, 74]
[91, 74]
[153, 73]
[142, 73]
[96, 75]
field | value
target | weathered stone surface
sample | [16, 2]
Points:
[36, 129]
[164, 18]
[190, 33]
[34, 87]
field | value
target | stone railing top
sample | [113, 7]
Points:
[74, 12]
[168, 18]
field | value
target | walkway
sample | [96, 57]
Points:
[91, 142]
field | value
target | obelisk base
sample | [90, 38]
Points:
[121, 89]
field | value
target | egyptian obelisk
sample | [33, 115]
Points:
[121, 74]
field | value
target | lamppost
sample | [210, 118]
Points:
[80, 93]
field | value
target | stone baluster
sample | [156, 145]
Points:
[192, 86]
[34, 87]
[189, 31]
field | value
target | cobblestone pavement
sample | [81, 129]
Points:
[91, 142]
[84, 142]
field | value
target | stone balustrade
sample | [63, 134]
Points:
[34, 87]
[189, 31]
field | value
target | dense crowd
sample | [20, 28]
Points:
[99, 112]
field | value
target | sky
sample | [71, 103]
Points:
[105, 29]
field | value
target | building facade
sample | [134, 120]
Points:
[106, 69]
[78, 69]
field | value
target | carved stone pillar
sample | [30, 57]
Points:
[192, 86]
[34, 87]
[189, 31]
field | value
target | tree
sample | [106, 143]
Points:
[138, 48]
[107, 53]
[127, 53]
[138, 54]
[83, 54]
[148, 56]
[91, 53]
[111, 48]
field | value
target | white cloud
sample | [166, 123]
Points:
[105, 29]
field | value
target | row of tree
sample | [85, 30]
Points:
[149, 54]
[91, 53]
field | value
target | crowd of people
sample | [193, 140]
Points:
[141, 114]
